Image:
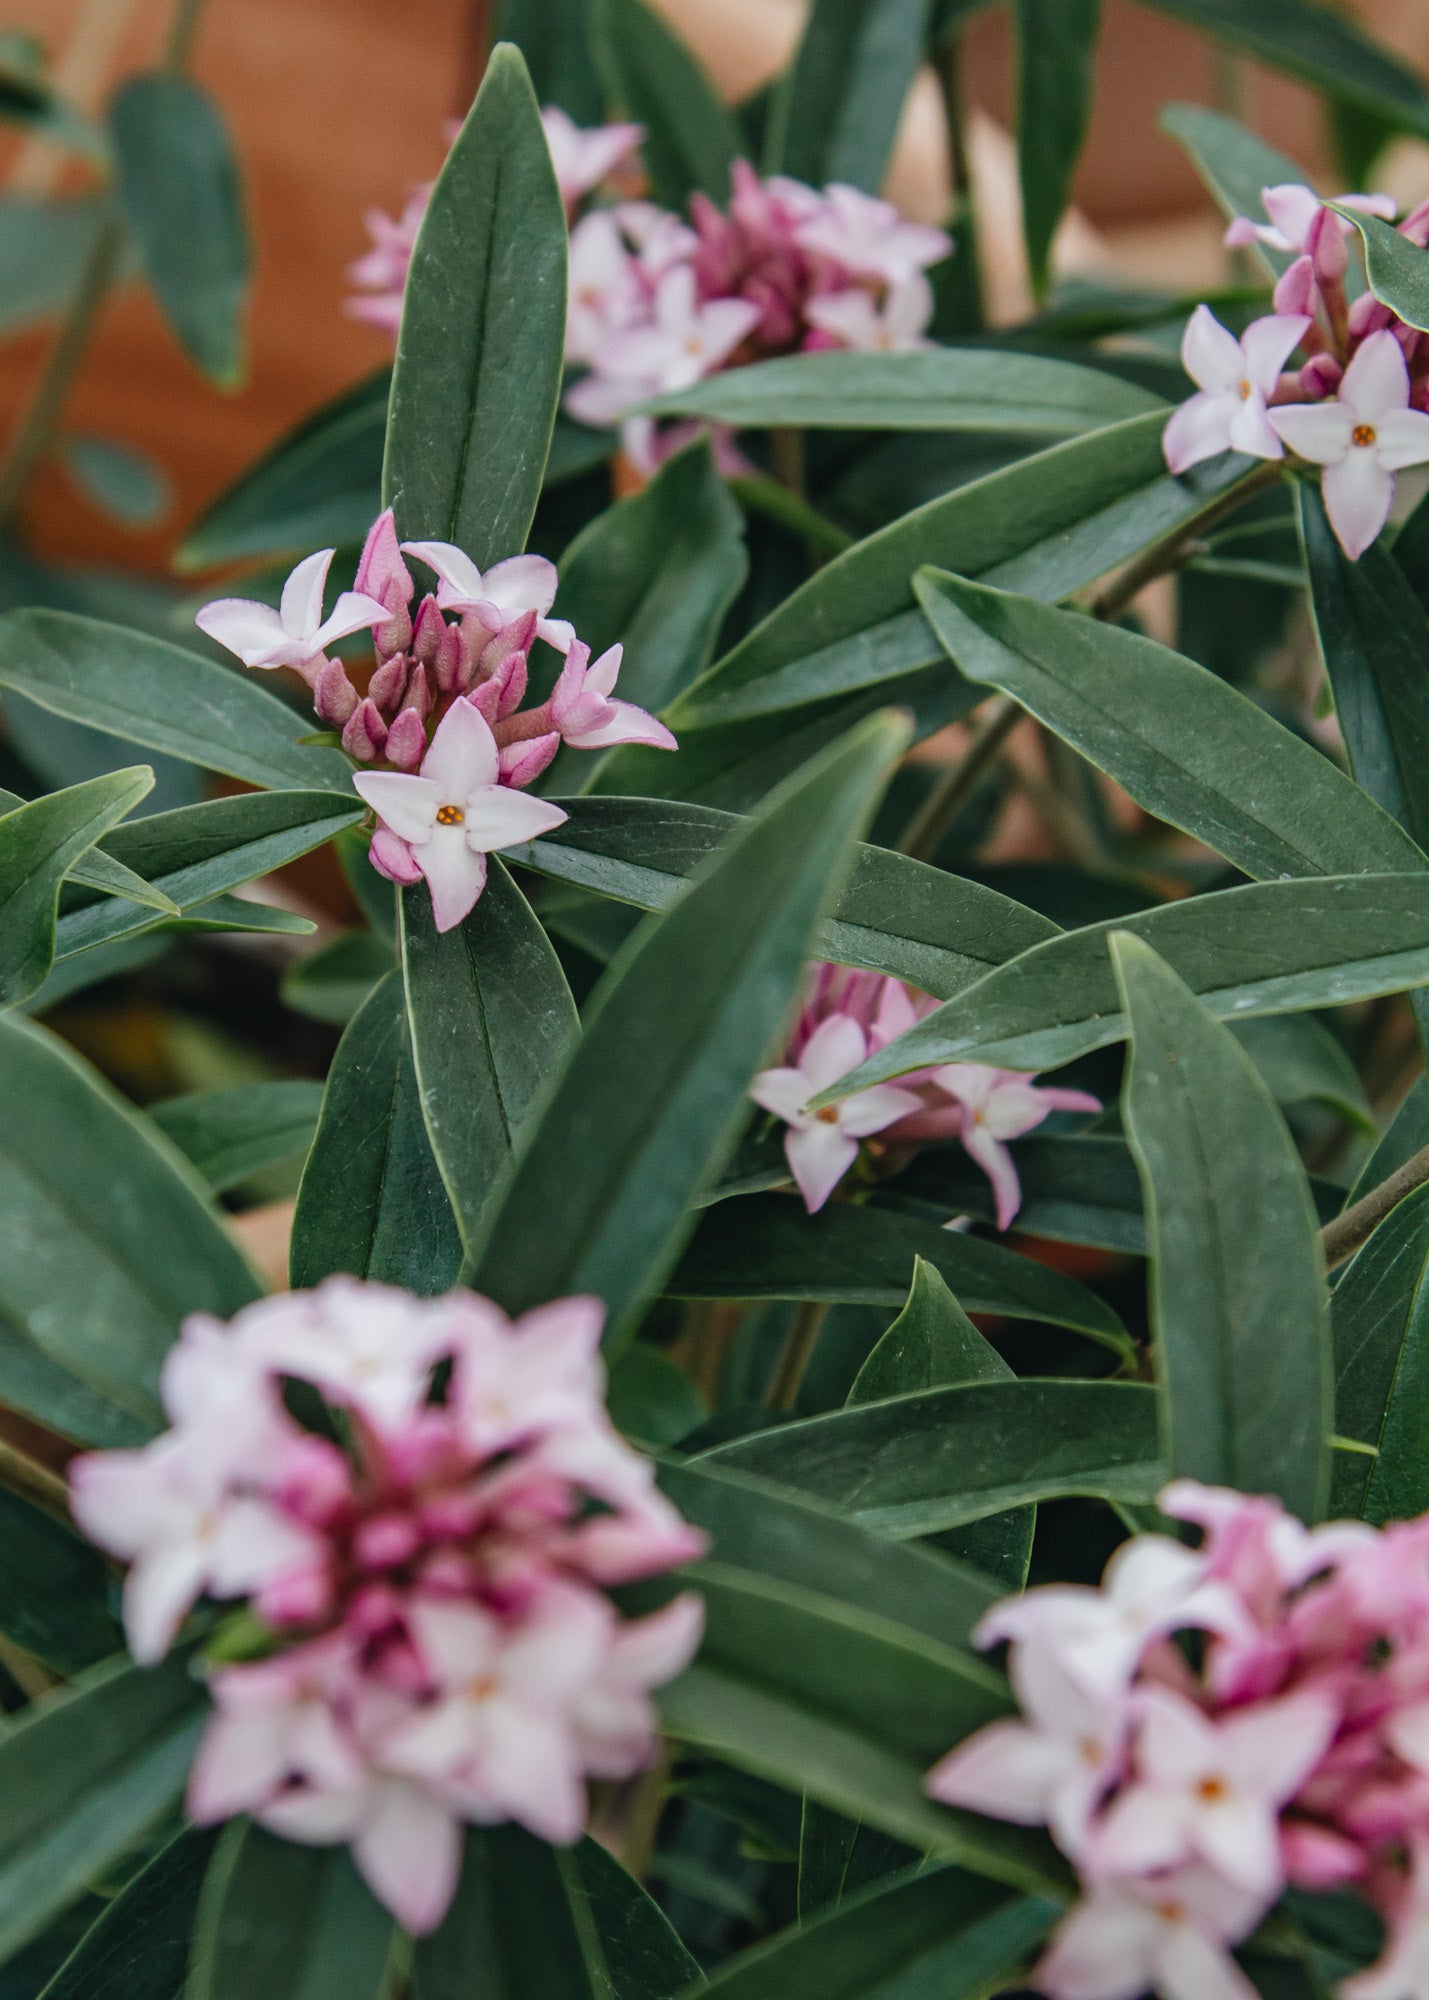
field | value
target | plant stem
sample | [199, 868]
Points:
[797, 1352]
[1342, 1237]
[182, 29]
[925, 832]
[787, 449]
[34, 1482]
[1173, 551]
[36, 433]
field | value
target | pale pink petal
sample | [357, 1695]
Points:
[253, 631]
[1105, 1950]
[1252, 432]
[651, 1650]
[1377, 379]
[1191, 1967]
[521, 583]
[1210, 354]
[352, 613]
[409, 1854]
[1239, 1837]
[850, 316]
[301, 608]
[460, 578]
[1292, 208]
[455, 875]
[160, 1589]
[1141, 1831]
[240, 1759]
[1358, 496]
[462, 758]
[1273, 1747]
[1200, 428]
[836, 1046]
[1015, 1107]
[1320, 432]
[502, 817]
[1403, 439]
[785, 1092]
[409, 805]
[819, 1156]
[623, 723]
[530, 1766]
[1176, 1744]
[870, 1111]
[1267, 345]
[998, 1164]
[1006, 1770]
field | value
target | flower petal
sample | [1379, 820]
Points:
[460, 577]
[1211, 355]
[301, 606]
[463, 759]
[408, 804]
[1268, 344]
[502, 817]
[1200, 428]
[1377, 379]
[997, 1163]
[785, 1092]
[819, 1156]
[1320, 432]
[253, 631]
[1358, 495]
[409, 1854]
[521, 583]
[456, 875]
[1403, 439]
[835, 1047]
[871, 1110]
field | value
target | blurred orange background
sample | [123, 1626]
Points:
[338, 106]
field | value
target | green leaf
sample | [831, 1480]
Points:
[1269, 948]
[1046, 526]
[335, 981]
[99, 1268]
[1317, 45]
[651, 1398]
[180, 188]
[938, 931]
[644, 1958]
[45, 246]
[195, 853]
[39, 844]
[1300, 1062]
[371, 1200]
[1406, 1133]
[139, 1948]
[83, 1776]
[1234, 164]
[937, 1931]
[491, 1019]
[691, 140]
[1378, 1318]
[835, 114]
[927, 389]
[930, 1344]
[54, 1590]
[655, 1086]
[39, 1387]
[237, 913]
[287, 1922]
[554, 37]
[1185, 744]
[164, 697]
[479, 356]
[916, 1464]
[98, 870]
[519, 1927]
[322, 483]
[1239, 1307]
[658, 572]
[121, 482]
[765, 1246]
[1057, 45]
[229, 1135]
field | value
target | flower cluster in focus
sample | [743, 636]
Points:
[657, 302]
[1355, 406]
[1191, 1784]
[442, 707]
[848, 1016]
[425, 1576]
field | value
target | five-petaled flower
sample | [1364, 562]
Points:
[1236, 379]
[821, 1146]
[296, 634]
[1362, 438]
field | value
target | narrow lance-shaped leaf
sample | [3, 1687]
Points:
[921, 1463]
[691, 140]
[39, 844]
[925, 389]
[1239, 1307]
[1318, 45]
[1270, 948]
[936, 1932]
[164, 697]
[1379, 1319]
[287, 1922]
[1180, 740]
[83, 1776]
[179, 184]
[479, 355]
[1057, 45]
[55, 1598]
[1398, 270]
[99, 1270]
[655, 1086]
[491, 1017]
[519, 1927]
[97, 870]
[1234, 164]
[139, 1948]
[835, 115]
[372, 1201]
[230, 1134]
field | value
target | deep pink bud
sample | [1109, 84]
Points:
[1320, 376]
[392, 857]
[1416, 225]
[381, 573]
[334, 696]
[374, 1609]
[302, 1597]
[1328, 250]
[386, 1541]
[1368, 315]
[522, 763]
[364, 732]
[389, 684]
[1295, 290]
[437, 645]
[418, 695]
[407, 741]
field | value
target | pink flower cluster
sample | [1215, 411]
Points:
[427, 1582]
[1190, 1785]
[657, 305]
[442, 708]
[1356, 406]
[582, 160]
[846, 1017]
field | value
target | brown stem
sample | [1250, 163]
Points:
[182, 29]
[34, 1482]
[1342, 1237]
[796, 1355]
[1173, 551]
[952, 791]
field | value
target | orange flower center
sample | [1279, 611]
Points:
[1363, 434]
[828, 1116]
[1211, 1790]
[450, 816]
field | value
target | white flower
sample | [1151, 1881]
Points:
[857, 320]
[1362, 438]
[1236, 379]
[296, 632]
[821, 1146]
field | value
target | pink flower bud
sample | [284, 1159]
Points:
[364, 733]
[334, 697]
[382, 574]
[302, 1597]
[386, 1541]
[1295, 289]
[393, 858]
[522, 763]
[373, 1610]
[1325, 242]
[389, 684]
[418, 696]
[406, 741]
[1416, 225]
